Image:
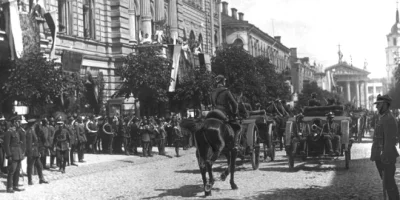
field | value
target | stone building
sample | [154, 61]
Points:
[375, 87]
[393, 49]
[303, 72]
[236, 30]
[93, 36]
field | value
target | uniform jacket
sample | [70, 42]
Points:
[61, 139]
[301, 127]
[2, 132]
[52, 131]
[44, 136]
[73, 139]
[32, 143]
[332, 129]
[22, 134]
[144, 132]
[385, 139]
[222, 99]
[80, 132]
[13, 144]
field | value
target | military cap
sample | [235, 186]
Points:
[385, 98]
[330, 115]
[60, 120]
[220, 78]
[22, 120]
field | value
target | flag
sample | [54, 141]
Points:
[53, 29]
[16, 29]
[175, 67]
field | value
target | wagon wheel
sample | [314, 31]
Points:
[359, 129]
[347, 156]
[255, 149]
[271, 150]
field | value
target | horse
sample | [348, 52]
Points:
[280, 115]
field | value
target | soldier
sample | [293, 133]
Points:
[126, 135]
[15, 154]
[314, 101]
[52, 131]
[80, 132]
[144, 132]
[178, 136]
[61, 143]
[383, 150]
[161, 137]
[299, 139]
[43, 134]
[3, 129]
[33, 151]
[222, 99]
[73, 139]
[92, 129]
[108, 131]
[331, 132]
[135, 135]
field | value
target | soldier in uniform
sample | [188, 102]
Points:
[15, 154]
[144, 132]
[61, 144]
[92, 129]
[135, 135]
[43, 134]
[383, 150]
[80, 132]
[314, 101]
[73, 139]
[108, 138]
[126, 135]
[52, 131]
[222, 99]
[299, 139]
[331, 132]
[33, 152]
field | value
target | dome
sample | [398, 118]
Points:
[396, 28]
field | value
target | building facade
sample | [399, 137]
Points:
[236, 30]
[375, 87]
[94, 36]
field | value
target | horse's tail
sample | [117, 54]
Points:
[210, 137]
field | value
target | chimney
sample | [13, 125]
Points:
[225, 8]
[241, 16]
[234, 13]
[293, 52]
[278, 39]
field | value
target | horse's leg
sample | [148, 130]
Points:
[265, 151]
[226, 172]
[203, 149]
[233, 166]
[202, 167]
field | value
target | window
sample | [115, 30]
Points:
[379, 89]
[195, 3]
[370, 89]
[89, 19]
[2, 20]
[65, 16]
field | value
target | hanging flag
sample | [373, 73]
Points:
[53, 30]
[16, 29]
[175, 67]
[159, 14]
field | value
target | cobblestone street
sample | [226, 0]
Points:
[169, 177]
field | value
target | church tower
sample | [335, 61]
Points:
[393, 50]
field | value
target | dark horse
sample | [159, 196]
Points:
[277, 111]
[213, 138]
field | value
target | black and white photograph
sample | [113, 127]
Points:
[199, 99]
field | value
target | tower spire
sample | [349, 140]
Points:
[397, 11]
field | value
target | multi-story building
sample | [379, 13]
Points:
[393, 50]
[236, 30]
[93, 36]
[375, 87]
[303, 72]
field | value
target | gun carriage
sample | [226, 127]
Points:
[314, 118]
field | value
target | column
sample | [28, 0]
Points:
[132, 22]
[366, 94]
[173, 20]
[348, 91]
[212, 26]
[358, 93]
[146, 18]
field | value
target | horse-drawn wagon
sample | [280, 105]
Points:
[358, 125]
[314, 118]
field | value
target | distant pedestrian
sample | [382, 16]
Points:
[61, 142]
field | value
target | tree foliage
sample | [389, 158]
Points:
[146, 75]
[256, 77]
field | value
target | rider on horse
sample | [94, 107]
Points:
[314, 101]
[223, 100]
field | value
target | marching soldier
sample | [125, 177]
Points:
[44, 144]
[299, 139]
[331, 132]
[383, 150]
[108, 131]
[73, 139]
[61, 144]
[222, 99]
[162, 134]
[126, 135]
[15, 154]
[33, 152]
[52, 131]
[135, 135]
[144, 132]
[80, 132]
[92, 129]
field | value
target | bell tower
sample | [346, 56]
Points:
[393, 49]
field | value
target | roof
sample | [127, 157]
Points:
[228, 21]
[350, 67]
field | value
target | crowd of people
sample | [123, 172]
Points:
[66, 139]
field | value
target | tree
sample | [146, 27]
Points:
[196, 88]
[37, 82]
[146, 75]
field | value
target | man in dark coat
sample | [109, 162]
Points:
[44, 141]
[80, 132]
[73, 139]
[383, 150]
[222, 99]
[331, 134]
[33, 153]
[299, 139]
[61, 143]
[15, 154]
[52, 131]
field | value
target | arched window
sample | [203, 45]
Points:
[192, 41]
[201, 42]
[238, 42]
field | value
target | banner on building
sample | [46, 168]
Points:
[16, 29]
[175, 67]
[53, 24]
[71, 61]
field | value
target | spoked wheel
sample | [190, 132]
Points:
[271, 150]
[255, 153]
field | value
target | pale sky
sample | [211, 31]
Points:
[317, 27]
